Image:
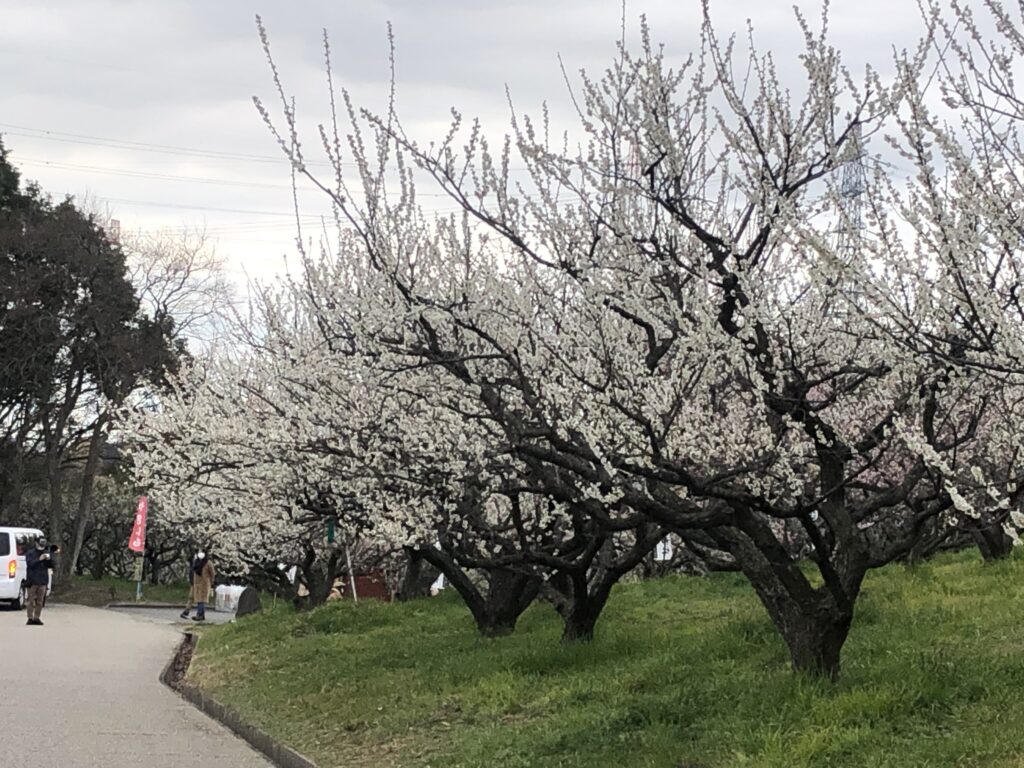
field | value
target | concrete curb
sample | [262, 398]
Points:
[277, 753]
[180, 606]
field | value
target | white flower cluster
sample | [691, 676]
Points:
[657, 327]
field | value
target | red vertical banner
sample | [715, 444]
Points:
[137, 541]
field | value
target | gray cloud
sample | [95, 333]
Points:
[181, 72]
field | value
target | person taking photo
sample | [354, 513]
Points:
[39, 563]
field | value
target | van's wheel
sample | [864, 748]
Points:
[21, 600]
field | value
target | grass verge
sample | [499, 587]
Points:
[83, 590]
[684, 673]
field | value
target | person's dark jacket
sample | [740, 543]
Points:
[38, 567]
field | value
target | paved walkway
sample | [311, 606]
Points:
[83, 692]
[173, 616]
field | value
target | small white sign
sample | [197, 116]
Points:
[664, 550]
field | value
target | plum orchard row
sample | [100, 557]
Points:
[640, 329]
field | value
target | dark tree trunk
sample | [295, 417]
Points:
[930, 540]
[579, 590]
[160, 557]
[319, 576]
[55, 476]
[418, 576]
[992, 541]
[84, 512]
[98, 566]
[813, 621]
[815, 641]
[813, 627]
[319, 589]
[579, 623]
[579, 603]
[508, 594]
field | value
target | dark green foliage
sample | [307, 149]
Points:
[66, 303]
[74, 344]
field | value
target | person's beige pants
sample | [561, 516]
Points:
[36, 596]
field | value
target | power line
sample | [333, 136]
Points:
[166, 149]
[154, 204]
[239, 227]
[140, 146]
[106, 169]
[150, 203]
[150, 174]
[74, 138]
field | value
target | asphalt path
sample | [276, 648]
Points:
[173, 615]
[83, 691]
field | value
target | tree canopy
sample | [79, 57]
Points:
[652, 328]
[74, 344]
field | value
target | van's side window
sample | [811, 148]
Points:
[5, 544]
[22, 543]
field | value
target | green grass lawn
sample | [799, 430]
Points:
[84, 590]
[684, 673]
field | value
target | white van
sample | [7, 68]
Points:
[13, 543]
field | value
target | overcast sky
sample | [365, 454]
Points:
[119, 99]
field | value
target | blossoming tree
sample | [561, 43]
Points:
[656, 319]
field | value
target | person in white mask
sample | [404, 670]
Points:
[200, 575]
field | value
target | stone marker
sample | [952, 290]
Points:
[248, 602]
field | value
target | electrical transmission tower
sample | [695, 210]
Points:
[850, 235]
